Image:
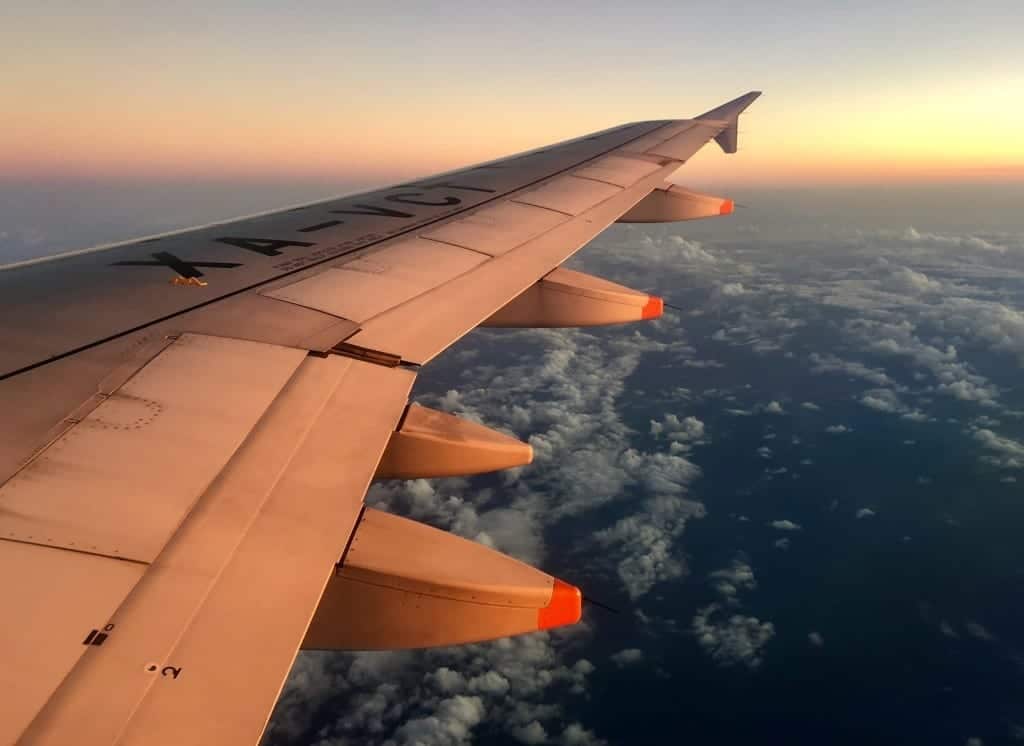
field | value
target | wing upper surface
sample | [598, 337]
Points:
[128, 287]
[187, 383]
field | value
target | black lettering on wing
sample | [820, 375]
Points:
[410, 198]
[452, 185]
[321, 226]
[264, 246]
[384, 212]
[184, 267]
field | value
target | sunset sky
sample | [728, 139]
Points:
[345, 93]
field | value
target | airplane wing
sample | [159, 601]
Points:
[190, 423]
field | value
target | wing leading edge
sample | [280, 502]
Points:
[205, 433]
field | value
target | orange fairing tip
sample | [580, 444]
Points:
[565, 606]
[653, 309]
[727, 207]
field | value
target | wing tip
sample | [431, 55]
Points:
[731, 110]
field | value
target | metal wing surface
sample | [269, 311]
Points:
[190, 423]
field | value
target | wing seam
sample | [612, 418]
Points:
[104, 555]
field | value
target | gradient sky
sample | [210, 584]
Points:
[346, 93]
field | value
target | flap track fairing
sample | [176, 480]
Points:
[566, 298]
[429, 443]
[403, 584]
[673, 203]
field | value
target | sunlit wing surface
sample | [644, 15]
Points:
[191, 422]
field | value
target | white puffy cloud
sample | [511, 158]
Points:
[811, 406]
[728, 581]
[732, 289]
[531, 733]
[882, 400]
[906, 280]
[914, 236]
[969, 391]
[865, 513]
[448, 680]
[731, 639]
[916, 415]
[435, 696]
[576, 735]
[952, 376]
[828, 363]
[651, 250]
[1008, 453]
[683, 430]
[627, 656]
[646, 542]
[838, 429]
[996, 323]
[773, 407]
[490, 682]
[785, 525]
[692, 251]
[901, 302]
[451, 724]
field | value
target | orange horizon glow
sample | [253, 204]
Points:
[416, 96]
[777, 146]
[345, 167]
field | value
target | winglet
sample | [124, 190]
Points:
[730, 112]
